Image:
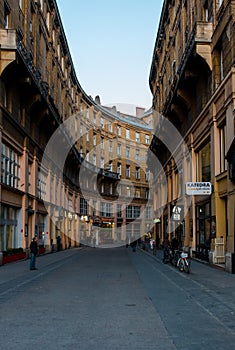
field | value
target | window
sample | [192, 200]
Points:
[128, 171]
[221, 65]
[48, 20]
[102, 122]
[148, 213]
[102, 143]
[94, 117]
[147, 139]
[147, 175]
[41, 185]
[87, 156]
[62, 64]
[137, 136]
[119, 168]
[203, 164]
[10, 174]
[9, 235]
[119, 149]
[119, 130]
[6, 16]
[87, 135]
[128, 192]
[110, 146]
[137, 173]
[70, 202]
[105, 209]
[83, 206]
[128, 152]
[119, 210]
[127, 133]
[102, 162]
[94, 159]
[137, 155]
[110, 127]
[29, 176]
[110, 165]
[205, 12]
[132, 212]
[137, 193]
[223, 162]
[94, 140]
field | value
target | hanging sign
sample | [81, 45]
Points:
[198, 188]
[177, 212]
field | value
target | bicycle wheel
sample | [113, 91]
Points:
[181, 265]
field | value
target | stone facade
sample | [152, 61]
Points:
[192, 81]
[41, 98]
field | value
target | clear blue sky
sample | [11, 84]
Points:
[111, 43]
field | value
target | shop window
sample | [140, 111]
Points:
[203, 163]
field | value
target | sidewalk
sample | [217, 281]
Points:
[159, 256]
[21, 267]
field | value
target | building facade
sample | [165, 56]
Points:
[105, 168]
[192, 82]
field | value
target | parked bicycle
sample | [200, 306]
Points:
[183, 262]
[177, 258]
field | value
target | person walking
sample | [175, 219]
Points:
[58, 239]
[33, 253]
[166, 246]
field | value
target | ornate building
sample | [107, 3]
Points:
[102, 185]
[192, 82]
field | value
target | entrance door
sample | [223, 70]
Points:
[203, 239]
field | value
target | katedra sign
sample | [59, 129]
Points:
[198, 188]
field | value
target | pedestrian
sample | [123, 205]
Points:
[51, 245]
[166, 246]
[33, 253]
[133, 245]
[58, 239]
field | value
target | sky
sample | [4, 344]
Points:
[111, 43]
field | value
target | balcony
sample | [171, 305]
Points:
[200, 38]
[8, 47]
[8, 39]
[204, 32]
[109, 174]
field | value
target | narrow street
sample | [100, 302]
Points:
[88, 298]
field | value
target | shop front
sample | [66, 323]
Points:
[9, 231]
[106, 230]
[203, 230]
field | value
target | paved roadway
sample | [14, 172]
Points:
[114, 299]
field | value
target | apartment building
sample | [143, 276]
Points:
[69, 166]
[192, 82]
